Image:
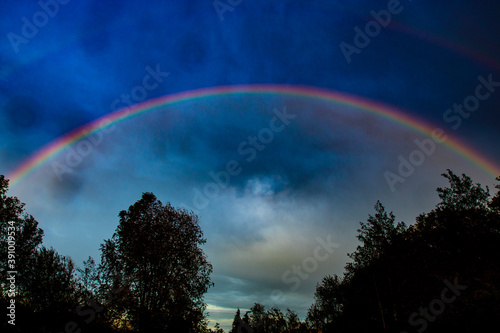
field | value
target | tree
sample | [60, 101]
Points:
[45, 279]
[462, 193]
[495, 201]
[239, 325]
[292, 320]
[54, 286]
[217, 329]
[376, 236]
[89, 275]
[245, 326]
[23, 233]
[328, 302]
[275, 320]
[315, 317]
[155, 257]
[398, 273]
[460, 239]
[463, 225]
[257, 320]
[45, 285]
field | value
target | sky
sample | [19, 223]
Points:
[327, 107]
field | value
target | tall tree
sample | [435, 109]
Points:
[46, 289]
[328, 303]
[398, 273]
[155, 256]
[239, 325]
[246, 328]
[372, 258]
[24, 235]
[376, 235]
[460, 239]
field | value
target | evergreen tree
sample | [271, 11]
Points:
[236, 327]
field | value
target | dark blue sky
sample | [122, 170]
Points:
[66, 65]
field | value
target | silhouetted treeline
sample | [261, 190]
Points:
[441, 274]
[260, 320]
[151, 277]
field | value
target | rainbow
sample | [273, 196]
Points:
[384, 111]
[439, 41]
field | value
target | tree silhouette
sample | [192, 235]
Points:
[239, 325]
[46, 289]
[328, 304]
[398, 274]
[462, 194]
[258, 318]
[25, 233]
[275, 320]
[217, 328]
[155, 257]
[292, 320]
[376, 236]
[153, 273]
[495, 201]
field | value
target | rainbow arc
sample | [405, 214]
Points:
[393, 114]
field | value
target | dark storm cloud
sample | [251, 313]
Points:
[22, 113]
[21, 127]
[67, 190]
[188, 40]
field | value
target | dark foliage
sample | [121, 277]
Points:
[155, 259]
[440, 274]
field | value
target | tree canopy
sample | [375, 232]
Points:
[46, 288]
[156, 254]
[151, 278]
[441, 273]
[399, 274]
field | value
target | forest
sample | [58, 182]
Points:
[440, 273]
